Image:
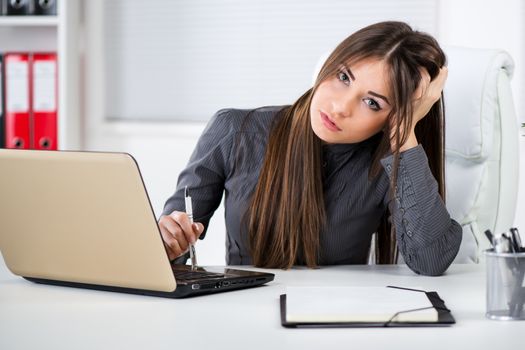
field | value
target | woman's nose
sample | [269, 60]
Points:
[343, 105]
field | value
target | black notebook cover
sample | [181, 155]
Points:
[445, 318]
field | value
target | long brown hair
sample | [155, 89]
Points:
[287, 214]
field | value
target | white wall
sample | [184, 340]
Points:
[488, 24]
[162, 149]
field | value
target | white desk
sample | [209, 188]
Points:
[36, 316]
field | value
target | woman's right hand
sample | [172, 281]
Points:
[178, 232]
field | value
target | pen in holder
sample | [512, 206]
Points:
[505, 278]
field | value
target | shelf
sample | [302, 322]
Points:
[28, 21]
[58, 33]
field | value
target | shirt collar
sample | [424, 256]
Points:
[340, 148]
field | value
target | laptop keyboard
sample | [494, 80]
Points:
[192, 275]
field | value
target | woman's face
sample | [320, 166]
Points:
[353, 105]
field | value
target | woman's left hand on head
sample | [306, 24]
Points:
[428, 93]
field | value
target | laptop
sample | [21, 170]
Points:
[84, 219]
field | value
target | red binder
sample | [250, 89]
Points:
[2, 122]
[17, 100]
[44, 101]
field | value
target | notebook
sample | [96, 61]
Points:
[84, 219]
[326, 306]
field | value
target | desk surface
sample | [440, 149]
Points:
[36, 316]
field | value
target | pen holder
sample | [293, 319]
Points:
[505, 285]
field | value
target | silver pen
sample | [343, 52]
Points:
[189, 212]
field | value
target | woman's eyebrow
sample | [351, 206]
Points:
[379, 96]
[349, 72]
[352, 76]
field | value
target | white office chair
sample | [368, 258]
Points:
[482, 145]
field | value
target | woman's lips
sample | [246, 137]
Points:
[330, 125]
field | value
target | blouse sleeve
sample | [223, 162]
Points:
[206, 170]
[427, 237]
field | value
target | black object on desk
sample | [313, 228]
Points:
[444, 319]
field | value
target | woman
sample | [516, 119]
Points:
[308, 184]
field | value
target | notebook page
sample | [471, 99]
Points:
[356, 304]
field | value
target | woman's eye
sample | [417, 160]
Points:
[342, 76]
[372, 104]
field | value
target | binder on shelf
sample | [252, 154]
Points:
[17, 7]
[2, 121]
[17, 100]
[45, 7]
[44, 101]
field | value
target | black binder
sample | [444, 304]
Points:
[45, 7]
[445, 318]
[17, 7]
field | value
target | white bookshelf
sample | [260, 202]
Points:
[28, 21]
[58, 33]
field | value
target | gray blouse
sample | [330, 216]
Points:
[228, 159]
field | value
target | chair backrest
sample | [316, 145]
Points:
[482, 145]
